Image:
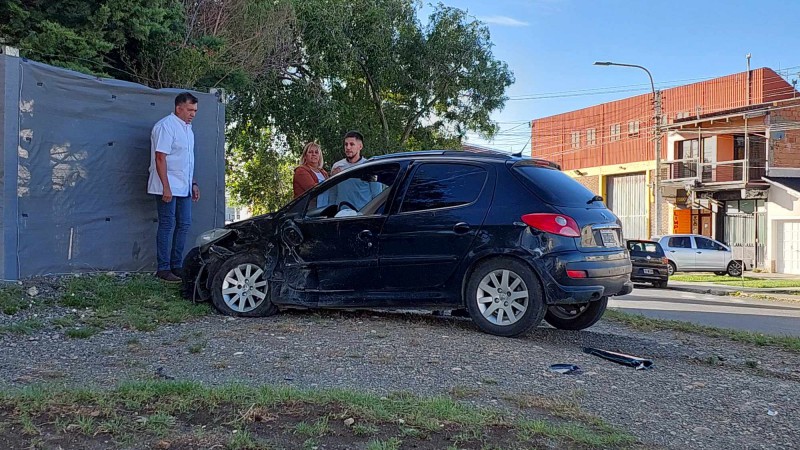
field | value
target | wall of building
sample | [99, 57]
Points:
[784, 139]
[781, 205]
[551, 137]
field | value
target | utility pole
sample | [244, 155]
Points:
[657, 106]
[657, 130]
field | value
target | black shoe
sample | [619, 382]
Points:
[167, 276]
[178, 272]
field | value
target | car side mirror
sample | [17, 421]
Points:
[291, 234]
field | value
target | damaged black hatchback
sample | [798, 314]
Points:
[511, 240]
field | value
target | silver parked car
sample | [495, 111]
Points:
[697, 253]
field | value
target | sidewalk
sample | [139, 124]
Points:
[792, 293]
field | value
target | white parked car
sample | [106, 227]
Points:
[697, 253]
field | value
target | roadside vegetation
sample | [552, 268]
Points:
[737, 281]
[642, 323]
[99, 302]
[182, 414]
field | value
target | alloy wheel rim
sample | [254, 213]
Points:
[244, 288]
[502, 297]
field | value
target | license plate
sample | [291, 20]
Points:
[609, 238]
[647, 271]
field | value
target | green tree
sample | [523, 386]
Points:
[372, 65]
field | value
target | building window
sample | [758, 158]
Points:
[633, 128]
[591, 137]
[576, 139]
[615, 132]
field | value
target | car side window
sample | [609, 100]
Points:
[436, 185]
[359, 192]
[680, 242]
[707, 244]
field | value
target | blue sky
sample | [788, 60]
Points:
[550, 46]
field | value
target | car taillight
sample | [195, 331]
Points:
[576, 273]
[665, 260]
[552, 223]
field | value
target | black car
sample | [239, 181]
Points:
[650, 263]
[512, 240]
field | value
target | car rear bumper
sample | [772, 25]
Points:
[607, 274]
[658, 273]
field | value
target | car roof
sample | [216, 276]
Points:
[484, 155]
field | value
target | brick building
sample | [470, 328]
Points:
[730, 158]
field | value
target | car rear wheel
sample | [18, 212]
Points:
[735, 268]
[671, 269]
[240, 287]
[576, 317]
[504, 297]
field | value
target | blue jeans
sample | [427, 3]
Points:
[174, 219]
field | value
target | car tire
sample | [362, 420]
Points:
[576, 317]
[240, 288]
[671, 269]
[734, 269]
[660, 284]
[516, 303]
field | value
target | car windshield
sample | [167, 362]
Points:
[556, 187]
[645, 247]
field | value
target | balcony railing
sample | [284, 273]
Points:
[679, 170]
[689, 169]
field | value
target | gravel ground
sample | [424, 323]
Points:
[703, 392]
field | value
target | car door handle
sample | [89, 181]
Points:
[672, 251]
[461, 227]
[699, 253]
[366, 236]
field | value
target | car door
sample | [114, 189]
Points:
[680, 249]
[332, 248]
[711, 255]
[431, 229]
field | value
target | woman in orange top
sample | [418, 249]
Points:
[310, 172]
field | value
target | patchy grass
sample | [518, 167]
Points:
[190, 415]
[27, 326]
[140, 302]
[643, 323]
[737, 281]
[81, 332]
[13, 299]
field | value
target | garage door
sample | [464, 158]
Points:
[789, 247]
[627, 196]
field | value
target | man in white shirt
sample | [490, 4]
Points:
[353, 192]
[172, 184]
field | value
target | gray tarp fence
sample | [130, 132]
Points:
[76, 152]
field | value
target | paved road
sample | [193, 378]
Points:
[770, 317]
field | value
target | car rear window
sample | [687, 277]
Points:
[555, 187]
[645, 247]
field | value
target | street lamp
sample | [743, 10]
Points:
[657, 106]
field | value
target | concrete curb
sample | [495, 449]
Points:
[705, 289]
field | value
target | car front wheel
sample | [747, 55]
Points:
[240, 287]
[576, 317]
[504, 297]
[735, 268]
